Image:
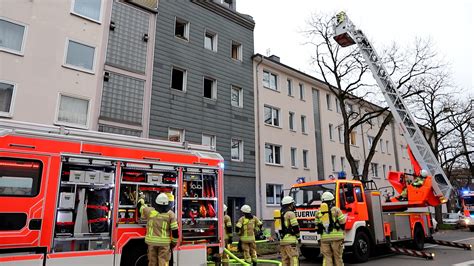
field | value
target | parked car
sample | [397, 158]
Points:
[456, 219]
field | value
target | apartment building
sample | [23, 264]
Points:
[202, 89]
[299, 134]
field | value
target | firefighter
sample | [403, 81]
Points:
[227, 235]
[330, 224]
[290, 232]
[246, 228]
[420, 179]
[161, 230]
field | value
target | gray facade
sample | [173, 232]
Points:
[189, 109]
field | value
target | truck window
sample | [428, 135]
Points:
[19, 177]
[310, 196]
[358, 192]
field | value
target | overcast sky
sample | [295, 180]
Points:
[449, 25]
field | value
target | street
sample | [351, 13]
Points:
[443, 255]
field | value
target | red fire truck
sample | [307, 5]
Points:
[67, 197]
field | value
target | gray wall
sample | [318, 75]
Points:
[190, 110]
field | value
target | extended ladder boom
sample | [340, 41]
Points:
[346, 34]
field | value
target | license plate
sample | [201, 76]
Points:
[314, 238]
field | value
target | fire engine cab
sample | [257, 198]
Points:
[68, 197]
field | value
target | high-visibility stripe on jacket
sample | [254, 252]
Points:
[159, 226]
[247, 228]
[335, 234]
[289, 218]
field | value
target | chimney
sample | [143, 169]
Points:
[274, 58]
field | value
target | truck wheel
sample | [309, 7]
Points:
[361, 247]
[418, 238]
[134, 254]
[471, 228]
[311, 254]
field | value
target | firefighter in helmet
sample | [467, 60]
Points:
[290, 232]
[330, 222]
[161, 230]
[227, 235]
[246, 228]
[420, 179]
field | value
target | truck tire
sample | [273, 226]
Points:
[134, 254]
[311, 254]
[361, 247]
[471, 228]
[418, 242]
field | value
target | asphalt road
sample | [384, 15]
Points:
[443, 255]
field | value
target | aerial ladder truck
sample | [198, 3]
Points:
[372, 220]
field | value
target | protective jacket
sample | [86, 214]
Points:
[330, 223]
[290, 228]
[161, 228]
[247, 228]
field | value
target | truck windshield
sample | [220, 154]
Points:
[311, 195]
[469, 200]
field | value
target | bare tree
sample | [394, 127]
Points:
[344, 72]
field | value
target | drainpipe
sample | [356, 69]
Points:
[259, 166]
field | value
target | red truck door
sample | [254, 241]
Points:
[23, 179]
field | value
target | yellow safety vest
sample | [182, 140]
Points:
[289, 218]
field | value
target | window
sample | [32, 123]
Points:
[227, 3]
[272, 154]
[80, 55]
[236, 96]
[333, 163]
[384, 169]
[370, 141]
[382, 147]
[237, 150]
[349, 108]
[210, 88]
[290, 87]
[178, 79]
[176, 135]
[87, 8]
[389, 168]
[273, 193]
[12, 36]
[303, 123]
[181, 29]
[292, 121]
[293, 157]
[353, 138]
[301, 91]
[236, 51]
[328, 101]
[305, 159]
[270, 80]
[73, 111]
[209, 140]
[330, 132]
[272, 116]
[358, 192]
[340, 134]
[210, 41]
[7, 92]
[338, 108]
[343, 163]
[374, 170]
[387, 146]
[20, 177]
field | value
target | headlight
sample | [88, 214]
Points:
[466, 220]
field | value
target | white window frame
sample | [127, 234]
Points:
[331, 133]
[328, 102]
[370, 141]
[275, 203]
[78, 68]
[304, 125]
[23, 41]
[289, 85]
[343, 163]
[273, 146]
[241, 150]
[382, 146]
[214, 41]
[12, 103]
[73, 2]
[186, 29]
[387, 146]
[185, 78]
[338, 108]
[374, 170]
[213, 89]
[291, 121]
[305, 159]
[239, 50]
[212, 138]
[353, 136]
[181, 134]
[271, 74]
[273, 118]
[294, 157]
[333, 163]
[58, 102]
[384, 169]
[241, 95]
[302, 94]
[340, 134]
